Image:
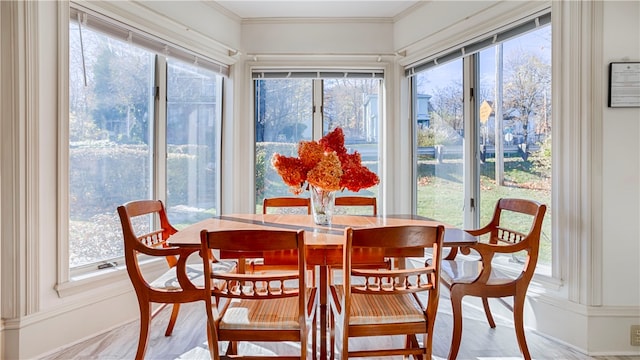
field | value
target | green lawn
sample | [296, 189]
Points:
[440, 189]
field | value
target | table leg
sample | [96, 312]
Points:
[323, 288]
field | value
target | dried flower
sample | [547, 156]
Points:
[291, 170]
[327, 173]
[326, 165]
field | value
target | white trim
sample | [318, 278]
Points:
[595, 152]
[564, 168]
[12, 133]
[62, 218]
[577, 201]
[282, 62]
[316, 20]
[472, 27]
[115, 280]
[32, 173]
[557, 247]
[150, 21]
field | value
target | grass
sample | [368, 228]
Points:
[440, 191]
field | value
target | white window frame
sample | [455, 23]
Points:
[317, 74]
[87, 277]
[549, 279]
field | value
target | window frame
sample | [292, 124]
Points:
[71, 281]
[317, 76]
[547, 274]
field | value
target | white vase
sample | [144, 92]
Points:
[322, 204]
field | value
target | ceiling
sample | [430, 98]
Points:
[316, 8]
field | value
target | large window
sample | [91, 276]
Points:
[495, 142]
[307, 106]
[142, 125]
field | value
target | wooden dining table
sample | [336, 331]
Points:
[323, 243]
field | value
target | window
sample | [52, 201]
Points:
[464, 159]
[143, 124]
[294, 106]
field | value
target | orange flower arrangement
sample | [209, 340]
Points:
[326, 165]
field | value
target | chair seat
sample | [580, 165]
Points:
[467, 271]
[169, 280]
[271, 314]
[383, 309]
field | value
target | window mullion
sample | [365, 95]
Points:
[159, 161]
[318, 107]
[471, 88]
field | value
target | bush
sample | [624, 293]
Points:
[102, 178]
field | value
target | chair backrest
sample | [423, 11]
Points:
[358, 201]
[286, 202]
[145, 229]
[517, 223]
[255, 286]
[393, 239]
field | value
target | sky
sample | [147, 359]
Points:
[537, 42]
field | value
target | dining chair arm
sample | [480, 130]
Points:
[488, 251]
[483, 247]
[164, 251]
[481, 231]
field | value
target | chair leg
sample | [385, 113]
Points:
[314, 339]
[407, 345]
[427, 340]
[412, 343]
[456, 307]
[145, 319]
[212, 340]
[303, 347]
[518, 321]
[233, 348]
[172, 320]
[344, 355]
[332, 335]
[213, 343]
[487, 311]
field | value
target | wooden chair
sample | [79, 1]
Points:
[358, 201]
[367, 259]
[286, 202]
[385, 302]
[169, 288]
[258, 307]
[282, 260]
[480, 278]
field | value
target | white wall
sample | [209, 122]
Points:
[621, 171]
[317, 37]
[590, 313]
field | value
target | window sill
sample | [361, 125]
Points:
[113, 279]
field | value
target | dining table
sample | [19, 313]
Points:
[323, 243]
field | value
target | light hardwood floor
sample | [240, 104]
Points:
[479, 341]
[189, 340]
